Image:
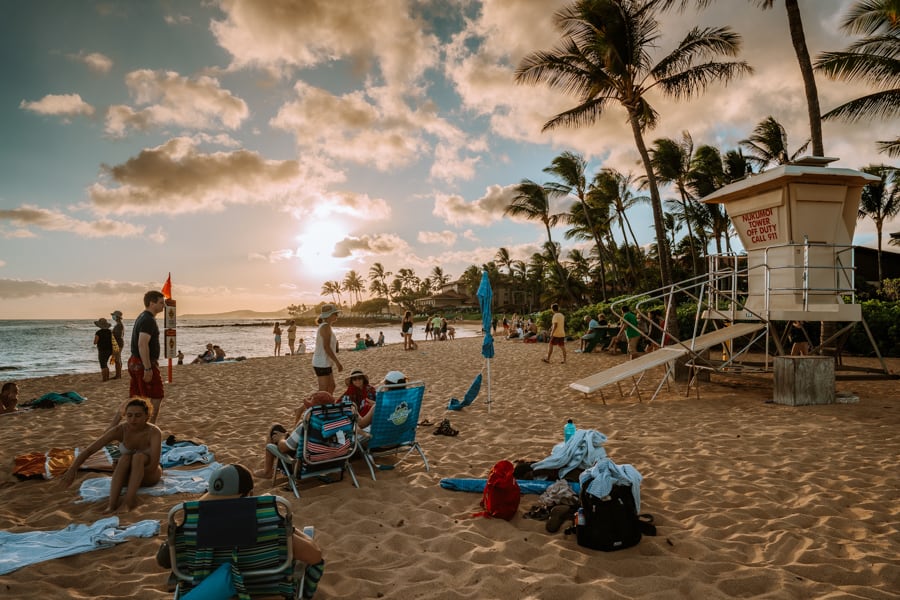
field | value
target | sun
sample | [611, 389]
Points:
[315, 248]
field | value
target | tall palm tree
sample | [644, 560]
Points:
[438, 279]
[504, 259]
[532, 201]
[874, 59]
[329, 290]
[671, 161]
[798, 40]
[880, 201]
[768, 144]
[612, 188]
[353, 284]
[604, 58]
[589, 220]
[377, 273]
[708, 175]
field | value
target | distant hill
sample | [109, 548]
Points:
[240, 314]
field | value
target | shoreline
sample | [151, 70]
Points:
[744, 503]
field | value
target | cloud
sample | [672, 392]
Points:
[50, 220]
[447, 238]
[14, 289]
[177, 19]
[367, 245]
[281, 36]
[172, 99]
[454, 209]
[66, 105]
[95, 61]
[176, 178]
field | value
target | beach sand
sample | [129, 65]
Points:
[750, 499]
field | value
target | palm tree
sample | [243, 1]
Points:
[768, 144]
[378, 280]
[328, 289]
[874, 59]
[880, 201]
[798, 40]
[707, 175]
[589, 220]
[353, 284]
[612, 188]
[671, 162]
[438, 279]
[504, 259]
[604, 58]
[532, 201]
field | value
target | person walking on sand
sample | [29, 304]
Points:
[557, 333]
[292, 335]
[325, 358]
[143, 366]
[103, 339]
[277, 332]
[118, 332]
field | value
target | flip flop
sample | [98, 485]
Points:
[426, 423]
[445, 429]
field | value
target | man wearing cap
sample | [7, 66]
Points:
[103, 340]
[236, 481]
[118, 332]
[325, 358]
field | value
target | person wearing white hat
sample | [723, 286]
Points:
[325, 358]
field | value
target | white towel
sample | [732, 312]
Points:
[18, 550]
[173, 482]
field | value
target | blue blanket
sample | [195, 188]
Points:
[527, 486]
[54, 398]
[18, 550]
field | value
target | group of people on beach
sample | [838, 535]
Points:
[296, 346]
[110, 339]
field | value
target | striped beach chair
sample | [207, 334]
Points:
[394, 424]
[251, 534]
[329, 441]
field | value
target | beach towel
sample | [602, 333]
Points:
[172, 482]
[184, 453]
[470, 396]
[581, 451]
[526, 486]
[18, 550]
[51, 399]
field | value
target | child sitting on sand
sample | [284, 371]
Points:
[140, 445]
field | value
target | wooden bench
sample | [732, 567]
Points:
[632, 368]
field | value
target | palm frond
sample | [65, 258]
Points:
[891, 148]
[879, 70]
[698, 43]
[879, 105]
[696, 79]
[870, 16]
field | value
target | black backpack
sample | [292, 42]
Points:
[610, 523]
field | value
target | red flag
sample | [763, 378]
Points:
[167, 288]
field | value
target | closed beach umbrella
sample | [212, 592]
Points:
[485, 297]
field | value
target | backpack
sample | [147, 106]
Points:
[501, 493]
[610, 523]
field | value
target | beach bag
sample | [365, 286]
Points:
[501, 493]
[610, 523]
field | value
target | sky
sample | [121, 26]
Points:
[255, 150]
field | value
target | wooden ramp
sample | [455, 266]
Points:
[632, 368]
[720, 336]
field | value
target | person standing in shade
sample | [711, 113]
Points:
[557, 333]
[143, 366]
[325, 358]
[103, 340]
[292, 335]
[118, 332]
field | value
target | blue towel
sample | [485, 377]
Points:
[527, 486]
[470, 396]
[606, 473]
[173, 482]
[581, 451]
[18, 550]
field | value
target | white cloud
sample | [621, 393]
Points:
[31, 217]
[177, 19]
[454, 209]
[447, 238]
[95, 61]
[66, 105]
[172, 99]
[368, 245]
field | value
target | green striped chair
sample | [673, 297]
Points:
[253, 534]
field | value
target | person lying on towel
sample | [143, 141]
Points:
[140, 444]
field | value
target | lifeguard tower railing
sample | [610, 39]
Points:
[741, 289]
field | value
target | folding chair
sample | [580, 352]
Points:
[330, 439]
[394, 423]
[252, 534]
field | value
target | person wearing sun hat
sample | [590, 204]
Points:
[118, 332]
[325, 358]
[360, 393]
[236, 481]
[103, 339]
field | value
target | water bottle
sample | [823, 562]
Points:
[580, 521]
[568, 430]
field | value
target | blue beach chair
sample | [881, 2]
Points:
[394, 423]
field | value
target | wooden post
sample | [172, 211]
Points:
[803, 380]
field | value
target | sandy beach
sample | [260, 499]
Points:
[750, 499]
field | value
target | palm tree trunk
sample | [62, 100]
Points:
[687, 220]
[665, 260]
[795, 22]
[878, 224]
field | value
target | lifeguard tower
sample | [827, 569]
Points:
[796, 223]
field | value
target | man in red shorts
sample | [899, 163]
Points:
[143, 366]
[557, 333]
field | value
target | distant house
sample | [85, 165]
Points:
[454, 295]
[866, 261]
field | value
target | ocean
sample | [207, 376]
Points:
[42, 348]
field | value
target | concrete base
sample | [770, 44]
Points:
[803, 380]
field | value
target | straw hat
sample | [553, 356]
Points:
[102, 323]
[357, 373]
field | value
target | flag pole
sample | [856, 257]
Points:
[169, 321]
